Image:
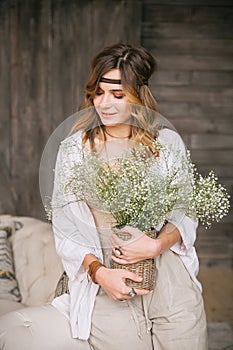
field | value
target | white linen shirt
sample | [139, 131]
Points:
[76, 235]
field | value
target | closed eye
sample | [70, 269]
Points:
[98, 93]
[119, 96]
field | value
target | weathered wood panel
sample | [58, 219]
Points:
[214, 95]
[215, 246]
[213, 231]
[211, 141]
[214, 47]
[46, 47]
[187, 30]
[189, 62]
[220, 170]
[209, 3]
[212, 78]
[199, 78]
[5, 127]
[171, 78]
[30, 116]
[7, 203]
[186, 12]
[195, 110]
[228, 184]
[209, 157]
[199, 126]
[193, 44]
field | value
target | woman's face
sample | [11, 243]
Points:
[111, 102]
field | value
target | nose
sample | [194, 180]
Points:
[105, 101]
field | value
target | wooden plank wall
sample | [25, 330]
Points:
[46, 47]
[192, 41]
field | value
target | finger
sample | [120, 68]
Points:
[119, 260]
[142, 291]
[137, 291]
[124, 297]
[117, 252]
[132, 276]
[126, 259]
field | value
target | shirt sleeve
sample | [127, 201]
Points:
[186, 225]
[75, 236]
[73, 224]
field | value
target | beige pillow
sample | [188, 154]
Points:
[37, 265]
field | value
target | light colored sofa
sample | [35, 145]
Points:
[37, 266]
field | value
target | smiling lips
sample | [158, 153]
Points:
[107, 115]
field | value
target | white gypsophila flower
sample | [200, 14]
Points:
[139, 189]
[209, 200]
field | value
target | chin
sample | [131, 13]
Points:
[108, 122]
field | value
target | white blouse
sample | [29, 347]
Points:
[76, 235]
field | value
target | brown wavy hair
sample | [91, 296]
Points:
[136, 65]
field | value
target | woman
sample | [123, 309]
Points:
[104, 312]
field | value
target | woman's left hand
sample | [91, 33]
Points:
[138, 248]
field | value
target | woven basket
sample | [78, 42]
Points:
[145, 269]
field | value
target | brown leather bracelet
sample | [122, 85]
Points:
[93, 268]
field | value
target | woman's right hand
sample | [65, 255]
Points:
[113, 283]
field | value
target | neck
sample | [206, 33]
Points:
[119, 131]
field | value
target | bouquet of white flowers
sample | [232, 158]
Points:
[139, 189]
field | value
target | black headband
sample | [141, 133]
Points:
[110, 81]
[117, 81]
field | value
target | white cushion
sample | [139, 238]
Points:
[9, 305]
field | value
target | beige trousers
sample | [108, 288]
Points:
[171, 317]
